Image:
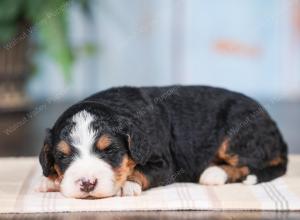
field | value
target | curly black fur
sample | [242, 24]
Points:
[180, 128]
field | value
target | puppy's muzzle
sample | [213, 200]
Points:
[87, 185]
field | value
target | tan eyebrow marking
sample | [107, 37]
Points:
[103, 142]
[64, 147]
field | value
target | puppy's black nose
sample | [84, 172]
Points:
[87, 185]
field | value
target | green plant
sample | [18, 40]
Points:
[19, 18]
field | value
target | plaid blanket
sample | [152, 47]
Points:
[20, 176]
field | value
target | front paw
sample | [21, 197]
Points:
[47, 185]
[130, 188]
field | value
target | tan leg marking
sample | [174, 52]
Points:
[235, 174]
[276, 161]
[140, 178]
[124, 170]
[223, 154]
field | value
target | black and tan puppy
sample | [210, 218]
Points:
[125, 140]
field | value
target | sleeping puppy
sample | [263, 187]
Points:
[125, 140]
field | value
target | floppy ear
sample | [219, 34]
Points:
[46, 156]
[139, 144]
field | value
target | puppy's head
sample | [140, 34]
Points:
[86, 156]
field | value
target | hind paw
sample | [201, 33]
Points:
[250, 180]
[213, 176]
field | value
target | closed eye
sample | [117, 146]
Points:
[109, 150]
[61, 155]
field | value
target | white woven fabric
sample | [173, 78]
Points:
[19, 177]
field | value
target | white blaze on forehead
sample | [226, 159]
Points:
[82, 134]
[87, 165]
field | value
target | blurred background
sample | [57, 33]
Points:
[56, 52]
